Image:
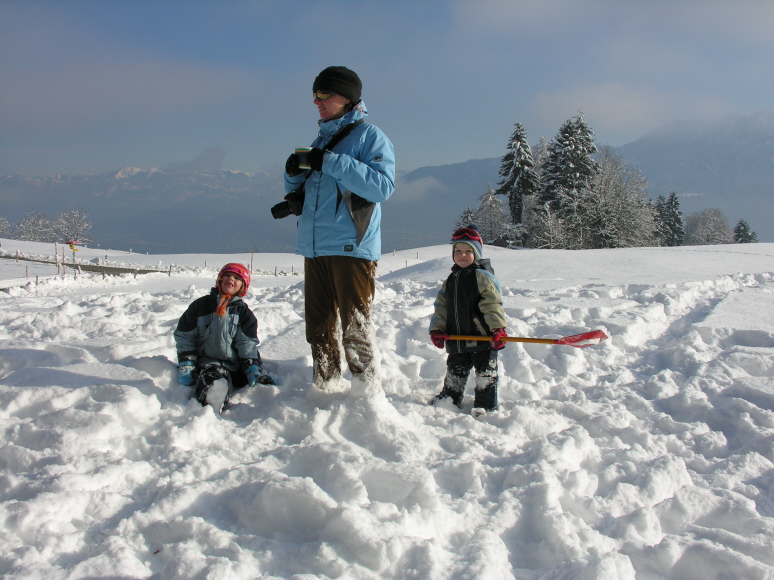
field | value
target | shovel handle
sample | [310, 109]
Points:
[504, 339]
[577, 340]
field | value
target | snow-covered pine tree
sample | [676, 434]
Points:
[659, 218]
[34, 227]
[672, 219]
[566, 179]
[467, 217]
[491, 216]
[539, 154]
[743, 234]
[517, 173]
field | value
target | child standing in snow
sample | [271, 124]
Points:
[469, 303]
[217, 341]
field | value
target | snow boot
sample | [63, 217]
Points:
[214, 387]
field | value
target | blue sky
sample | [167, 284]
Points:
[92, 86]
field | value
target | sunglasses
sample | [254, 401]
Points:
[322, 95]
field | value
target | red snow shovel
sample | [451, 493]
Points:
[577, 340]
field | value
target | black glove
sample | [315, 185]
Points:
[291, 166]
[316, 159]
[295, 200]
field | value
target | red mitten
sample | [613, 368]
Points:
[438, 338]
[498, 334]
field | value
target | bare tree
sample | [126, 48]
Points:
[73, 225]
[545, 229]
[5, 228]
[708, 227]
[34, 227]
[620, 216]
[492, 217]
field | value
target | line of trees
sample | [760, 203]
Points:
[69, 225]
[568, 194]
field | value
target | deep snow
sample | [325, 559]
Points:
[647, 456]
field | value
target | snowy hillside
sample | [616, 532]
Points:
[648, 456]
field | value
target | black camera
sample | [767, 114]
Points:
[293, 205]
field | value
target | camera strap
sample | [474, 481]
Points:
[295, 198]
[335, 140]
[341, 133]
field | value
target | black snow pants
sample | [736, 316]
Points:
[210, 373]
[458, 366]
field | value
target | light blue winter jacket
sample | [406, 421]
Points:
[363, 163]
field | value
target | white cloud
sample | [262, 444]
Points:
[417, 189]
[617, 111]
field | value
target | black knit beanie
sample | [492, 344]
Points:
[340, 80]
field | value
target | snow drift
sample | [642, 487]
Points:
[649, 455]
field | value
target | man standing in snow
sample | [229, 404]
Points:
[349, 172]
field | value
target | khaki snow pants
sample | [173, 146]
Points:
[340, 289]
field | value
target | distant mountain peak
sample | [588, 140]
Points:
[126, 172]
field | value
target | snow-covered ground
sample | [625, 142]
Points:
[648, 456]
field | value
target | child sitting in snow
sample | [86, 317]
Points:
[469, 303]
[217, 341]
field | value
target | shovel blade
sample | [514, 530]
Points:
[583, 340]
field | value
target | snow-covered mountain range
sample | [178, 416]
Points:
[727, 164]
[161, 210]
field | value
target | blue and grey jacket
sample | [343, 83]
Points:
[342, 215]
[469, 302]
[231, 340]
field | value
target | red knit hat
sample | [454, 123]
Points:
[240, 271]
